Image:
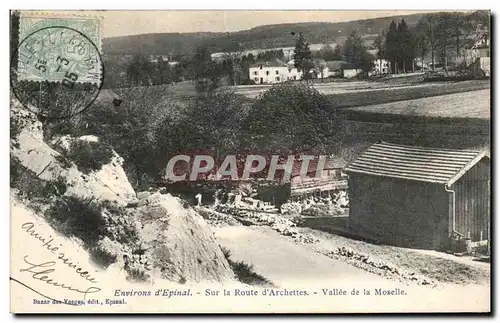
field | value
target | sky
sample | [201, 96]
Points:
[121, 23]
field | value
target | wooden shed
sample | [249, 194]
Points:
[420, 197]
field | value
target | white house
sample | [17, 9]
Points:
[350, 72]
[268, 72]
[381, 66]
[293, 72]
[276, 72]
[273, 72]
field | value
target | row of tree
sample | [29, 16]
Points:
[436, 34]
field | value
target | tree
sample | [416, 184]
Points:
[379, 45]
[481, 19]
[130, 128]
[461, 27]
[421, 42]
[302, 56]
[406, 40]
[164, 72]
[392, 46]
[356, 53]
[329, 54]
[338, 53]
[428, 25]
[251, 58]
[206, 72]
[290, 119]
[444, 34]
[211, 122]
[319, 67]
[140, 71]
[232, 66]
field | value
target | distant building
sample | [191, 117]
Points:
[293, 72]
[420, 197]
[334, 68]
[350, 71]
[268, 72]
[380, 67]
[154, 59]
[331, 178]
[278, 71]
[273, 72]
[320, 69]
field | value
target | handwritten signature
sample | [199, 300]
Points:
[42, 271]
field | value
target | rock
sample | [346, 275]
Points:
[143, 195]
[110, 247]
[110, 183]
[182, 244]
[292, 208]
[151, 199]
[62, 144]
[89, 138]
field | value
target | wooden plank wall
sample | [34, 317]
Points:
[473, 202]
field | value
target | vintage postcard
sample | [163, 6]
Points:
[250, 161]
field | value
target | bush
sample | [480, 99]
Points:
[102, 257]
[15, 130]
[245, 274]
[81, 218]
[89, 156]
[226, 252]
[64, 161]
[248, 82]
[293, 118]
[31, 186]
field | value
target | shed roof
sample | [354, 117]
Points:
[443, 166]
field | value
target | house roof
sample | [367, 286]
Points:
[269, 64]
[443, 166]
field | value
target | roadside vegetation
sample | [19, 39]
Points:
[244, 272]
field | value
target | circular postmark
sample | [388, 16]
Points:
[56, 72]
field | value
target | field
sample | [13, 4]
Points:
[347, 93]
[472, 104]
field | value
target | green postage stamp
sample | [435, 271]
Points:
[59, 49]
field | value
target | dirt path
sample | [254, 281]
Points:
[282, 261]
[437, 266]
[292, 266]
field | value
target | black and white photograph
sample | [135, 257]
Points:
[250, 161]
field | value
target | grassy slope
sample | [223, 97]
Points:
[472, 104]
[347, 100]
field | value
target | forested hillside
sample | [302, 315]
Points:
[269, 36]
